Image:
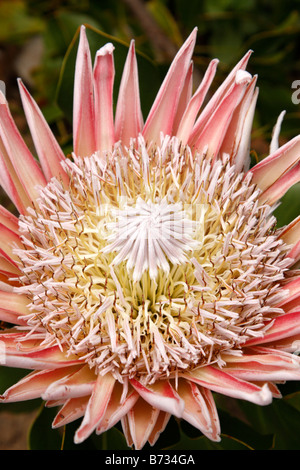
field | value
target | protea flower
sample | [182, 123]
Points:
[145, 272]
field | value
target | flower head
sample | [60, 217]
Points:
[146, 271]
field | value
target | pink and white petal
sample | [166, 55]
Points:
[104, 74]
[292, 306]
[282, 327]
[160, 395]
[54, 403]
[278, 189]
[126, 430]
[189, 116]
[274, 389]
[48, 150]
[291, 236]
[8, 269]
[96, 407]
[218, 96]
[141, 421]
[162, 114]
[73, 409]
[159, 427]
[128, 119]
[26, 167]
[9, 220]
[291, 290]
[211, 137]
[265, 365]
[185, 97]
[84, 141]
[40, 359]
[117, 407]
[290, 344]
[275, 134]
[221, 382]
[12, 307]
[81, 383]
[34, 384]
[11, 183]
[8, 241]
[266, 172]
[200, 410]
[236, 142]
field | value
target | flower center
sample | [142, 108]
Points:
[150, 263]
[150, 235]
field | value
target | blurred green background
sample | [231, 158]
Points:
[34, 39]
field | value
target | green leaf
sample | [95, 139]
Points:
[289, 207]
[17, 23]
[113, 439]
[203, 443]
[280, 419]
[41, 435]
[149, 73]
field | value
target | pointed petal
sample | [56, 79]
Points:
[117, 407]
[274, 389]
[282, 327]
[39, 359]
[266, 172]
[236, 142]
[218, 381]
[290, 344]
[195, 103]
[242, 162]
[47, 148]
[275, 192]
[218, 96]
[34, 384]
[185, 96]
[96, 407]
[72, 410]
[129, 120]
[159, 427]
[9, 220]
[266, 365]
[81, 383]
[291, 236]
[276, 131]
[83, 103]
[10, 182]
[141, 421]
[104, 74]
[292, 290]
[200, 410]
[210, 138]
[160, 395]
[126, 430]
[26, 168]
[8, 241]
[8, 269]
[12, 307]
[162, 114]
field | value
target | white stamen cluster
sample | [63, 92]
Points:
[150, 235]
[151, 262]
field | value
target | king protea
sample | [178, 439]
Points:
[146, 272]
